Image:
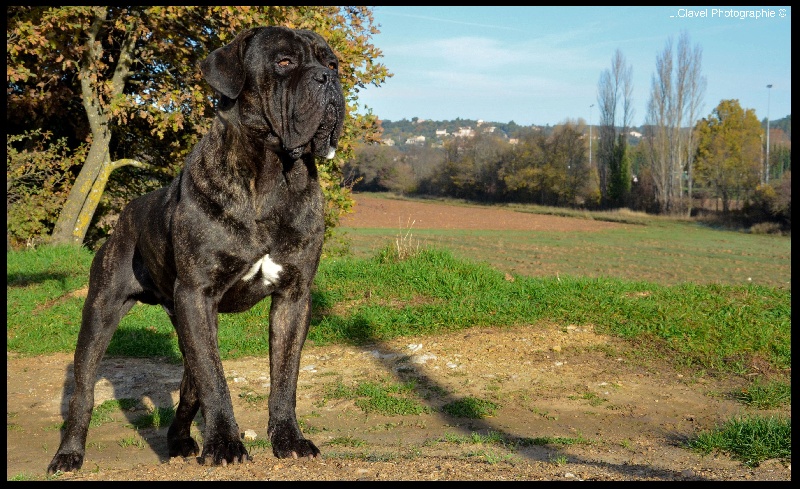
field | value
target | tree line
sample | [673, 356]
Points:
[680, 162]
[551, 166]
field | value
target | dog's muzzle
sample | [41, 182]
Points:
[324, 143]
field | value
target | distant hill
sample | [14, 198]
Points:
[403, 129]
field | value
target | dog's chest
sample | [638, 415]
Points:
[264, 269]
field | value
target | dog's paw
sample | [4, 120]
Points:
[224, 453]
[65, 462]
[301, 449]
[294, 448]
[183, 447]
[288, 442]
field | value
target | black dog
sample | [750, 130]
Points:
[242, 221]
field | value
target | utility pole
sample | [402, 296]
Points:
[766, 172]
[590, 134]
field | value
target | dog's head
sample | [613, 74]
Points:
[283, 83]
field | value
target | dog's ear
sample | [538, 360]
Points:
[223, 69]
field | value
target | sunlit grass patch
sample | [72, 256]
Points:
[767, 395]
[751, 439]
[158, 417]
[103, 413]
[387, 398]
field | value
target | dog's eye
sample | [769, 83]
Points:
[332, 66]
[284, 62]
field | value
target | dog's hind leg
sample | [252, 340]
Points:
[106, 303]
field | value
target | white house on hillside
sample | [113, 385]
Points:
[418, 140]
[464, 132]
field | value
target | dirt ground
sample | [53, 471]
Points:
[377, 212]
[628, 412]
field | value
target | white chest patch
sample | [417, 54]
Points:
[270, 270]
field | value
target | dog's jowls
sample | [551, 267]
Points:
[243, 220]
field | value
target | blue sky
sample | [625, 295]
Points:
[541, 65]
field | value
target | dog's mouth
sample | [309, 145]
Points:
[324, 142]
[325, 138]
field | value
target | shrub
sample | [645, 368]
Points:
[765, 228]
[772, 203]
[38, 180]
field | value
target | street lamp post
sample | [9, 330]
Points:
[590, 135]
[766, 172]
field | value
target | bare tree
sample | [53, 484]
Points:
[675, 100]
[614, 94]
[690, 63]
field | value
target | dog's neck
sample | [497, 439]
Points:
[256, 166]
[300, 172]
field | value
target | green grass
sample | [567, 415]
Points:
[750, 439]
[132, 441]
[254, 399]
[103, 413]
[260, 445]
[492, 457]
[347, 441]
[386, 398]
[363, 300]
[664, 250]
[594, 399]
[22, 477]
[513, 443]
[767, 395]
[471, 407]
[159, 417]
[491, 438]
[705, 325]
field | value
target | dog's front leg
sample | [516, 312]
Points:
[289, 316]
[196, 322]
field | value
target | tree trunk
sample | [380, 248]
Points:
[76, 215]
[67, 229]
[725, 203]
[98, 187]
[87, 201]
